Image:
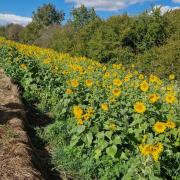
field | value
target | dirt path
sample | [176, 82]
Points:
[16, 153]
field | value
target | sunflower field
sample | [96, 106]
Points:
[109, 121]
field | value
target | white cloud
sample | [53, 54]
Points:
[165, 9]
[12, 18]
[106, 5]
[176, 1]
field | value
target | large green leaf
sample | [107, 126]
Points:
[89, 137]
[112, 150]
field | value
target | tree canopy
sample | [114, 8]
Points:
[47, 15]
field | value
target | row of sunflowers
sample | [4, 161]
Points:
[110, 121]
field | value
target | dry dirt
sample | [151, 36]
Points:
[16, 152]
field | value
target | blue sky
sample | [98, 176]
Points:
[17, 10]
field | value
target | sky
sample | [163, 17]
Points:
[20, 11]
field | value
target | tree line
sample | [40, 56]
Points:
[151, 39]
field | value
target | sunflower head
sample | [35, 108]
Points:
[144, 86]
[141, 76]
[153, 98]
[139, 107]
[89, 82]
[171, 76]
[104, 106]
[77, 111]
[23, 66]
[117, 82]
[159, 127]
[74, 83]
[170, 124]
[170, 98]
[68, 91]
[116, 92]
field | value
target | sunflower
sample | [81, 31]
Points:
[144, 86]
[90, 110]
[116, 92]
[80, 121]
[141, 76]
[171, 76]
[153, 150]
[170, 124]
[65, 72]
[153, 78]
[106, 75]
[170, 98]
[78, 112]
[169, 88]
[117, 82]
[153, 98]
[89, 82]
[104, 68]
[68, 91]
[74, 83]
[156, 150]
[127, 78]
[145, 149]
[159, 127]
[23, 66]
[139, 107]
[104, 106]
[86, 116]
[46, 61]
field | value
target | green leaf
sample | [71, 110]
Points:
[97, 153]
[123, 156]
[102, 144]
[74, 140]
[89, 137]
[80, 129]
[108, 134]
[112, 150]
[100, 135]
[117, 140]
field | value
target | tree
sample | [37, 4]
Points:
[63, 39]
[46, 37]
[13, 31]
[82, 16]
[2, 31]
[48, 15]
[30, 33]
[148, 30]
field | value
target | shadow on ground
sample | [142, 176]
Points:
[37, 119]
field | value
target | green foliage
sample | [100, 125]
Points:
[30, 33]
[2, 31]
[63, 39]
[47, 15]
[82, 16]
[147, 31]
[105, 146]
[150, 40]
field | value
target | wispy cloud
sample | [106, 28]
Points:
[176, 1]
[12, 18]
[106, 5]
[165, 9]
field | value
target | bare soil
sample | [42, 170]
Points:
[19, 159]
